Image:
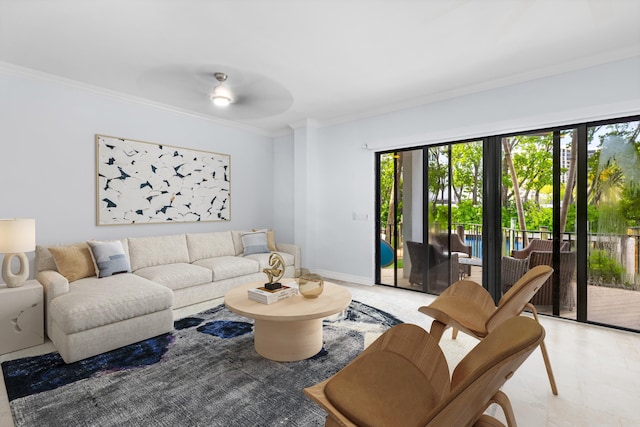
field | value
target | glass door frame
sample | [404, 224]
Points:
[492, 213]
[378, 221]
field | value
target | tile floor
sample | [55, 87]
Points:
[597, 369]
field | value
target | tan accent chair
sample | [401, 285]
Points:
[402, 379]
[468, 307]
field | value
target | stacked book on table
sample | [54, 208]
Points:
[266, 296]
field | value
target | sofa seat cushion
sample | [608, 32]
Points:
[263, 259]
[177, 276]
[93, 302]
[227, 267]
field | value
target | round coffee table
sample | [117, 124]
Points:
[290, 329]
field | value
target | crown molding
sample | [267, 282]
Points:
[575, 65]
[571, 117]
[16, 70]
[558, 69]
[305, 123]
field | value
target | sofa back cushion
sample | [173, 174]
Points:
[157, 250]
[210, 245]
[44, 259]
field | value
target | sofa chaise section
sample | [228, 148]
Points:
[92, 316]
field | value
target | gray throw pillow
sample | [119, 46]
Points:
[255, 243]
[109, 258]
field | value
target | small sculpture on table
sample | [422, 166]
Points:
[275, 273]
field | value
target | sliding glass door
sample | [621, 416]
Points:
[538, 215]
[429, 216]
[567, 197]
[613, 227]
[388, 220]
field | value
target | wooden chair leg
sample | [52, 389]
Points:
[454, 333]
[487, 421]
[545, 355]
[437, 329]
[331, 422]
[503, 401]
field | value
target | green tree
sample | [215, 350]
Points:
[533, 161]
[507, 148]
[438, 158]
[466, 213]
[614, 176]
[386, 183]
[570, 182]
[630, 205]
[466, 160]
[388, 164]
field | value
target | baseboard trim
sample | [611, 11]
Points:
[360, 280]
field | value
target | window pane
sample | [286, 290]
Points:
[614, 218]
[388, 218]
[528, 216]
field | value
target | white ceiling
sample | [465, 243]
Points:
[326, 61]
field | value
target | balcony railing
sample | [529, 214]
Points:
[620, 251]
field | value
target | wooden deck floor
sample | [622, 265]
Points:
[611, 306]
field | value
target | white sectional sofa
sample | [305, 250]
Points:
[88, 315]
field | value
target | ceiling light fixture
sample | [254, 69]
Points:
[221, 95]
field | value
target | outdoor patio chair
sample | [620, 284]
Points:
[443, 270]
[468, 307]
[512, 270]
[402, 379]
[567, 271]
[538, 245]
[454, 244]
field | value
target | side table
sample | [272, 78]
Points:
[21, 316]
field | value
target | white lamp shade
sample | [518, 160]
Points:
[17, 235]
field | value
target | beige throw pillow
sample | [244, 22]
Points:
[73, 262]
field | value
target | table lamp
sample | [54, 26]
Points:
[17, 236]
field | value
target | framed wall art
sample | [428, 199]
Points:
[141, 182]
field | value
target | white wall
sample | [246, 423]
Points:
[343, 247]
[282, 169]
[47, 159]
[610, 90]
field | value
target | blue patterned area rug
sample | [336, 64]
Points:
[204, 373]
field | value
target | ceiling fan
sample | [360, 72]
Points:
[249, 95]
[246, 94]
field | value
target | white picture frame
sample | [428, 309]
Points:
[141, 182]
